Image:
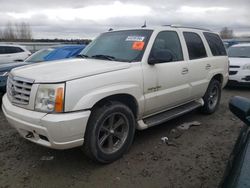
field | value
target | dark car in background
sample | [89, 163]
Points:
[237, 174]
[44, 55]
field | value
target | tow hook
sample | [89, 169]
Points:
[29, 135]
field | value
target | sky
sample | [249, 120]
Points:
[87, 18]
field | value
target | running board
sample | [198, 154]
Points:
[170, 114]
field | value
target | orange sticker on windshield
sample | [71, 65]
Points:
[138, 45]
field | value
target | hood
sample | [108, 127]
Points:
[68, 69]
[239, 61]
[9, 66]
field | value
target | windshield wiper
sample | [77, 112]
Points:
[82, 56]
[100, 56]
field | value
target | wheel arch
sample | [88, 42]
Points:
[124, 98]
[218, 77]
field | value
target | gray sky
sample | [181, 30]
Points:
[87, 18]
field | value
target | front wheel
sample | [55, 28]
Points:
[109, 133]
[212, 97]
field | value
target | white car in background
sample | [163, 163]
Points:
[12, 53]
[239, 71]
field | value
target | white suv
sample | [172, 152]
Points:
[239, 71]
[124, 80]
[11, 53]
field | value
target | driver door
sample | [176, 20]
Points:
[166, 82]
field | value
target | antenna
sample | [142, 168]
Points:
[144, 25]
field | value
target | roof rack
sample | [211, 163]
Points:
[180, 26]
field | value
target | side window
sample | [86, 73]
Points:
[195, 46]
[18, 50]
[12, 50]
[168, 42]
[2, 50]
[215, 44]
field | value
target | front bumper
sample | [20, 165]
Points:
[58, 131]
[239, 76]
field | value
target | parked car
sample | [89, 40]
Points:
[48, 54]
[239, 71]
[126, 80]
[12, 53]
[230, 42]
[238, 168]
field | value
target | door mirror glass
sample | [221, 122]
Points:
[240, 107]
[160, 56]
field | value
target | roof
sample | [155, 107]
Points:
[14, 45]
[163, 27]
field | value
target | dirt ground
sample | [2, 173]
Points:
[195, 158]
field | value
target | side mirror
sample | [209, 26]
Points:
[240, 107]
[160, 56]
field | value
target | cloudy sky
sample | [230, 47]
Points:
[87, 18]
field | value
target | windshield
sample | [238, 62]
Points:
[39, 56]
[127, 46]
[241, 51]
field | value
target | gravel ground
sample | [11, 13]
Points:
[195, 157]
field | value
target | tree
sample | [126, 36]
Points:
[18, 31]
[226, 33]
[23, 31]
[8, 32]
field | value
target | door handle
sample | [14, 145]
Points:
[184, 71]
[208, 66]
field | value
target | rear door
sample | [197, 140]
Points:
[198, 63]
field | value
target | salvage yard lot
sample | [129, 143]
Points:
[196, 158]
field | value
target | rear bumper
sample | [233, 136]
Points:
[58, 131]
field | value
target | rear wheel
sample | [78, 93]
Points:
[212, 97]
[109, 133]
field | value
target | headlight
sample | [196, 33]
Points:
[245, 67]
[50, 98]
[4, 73]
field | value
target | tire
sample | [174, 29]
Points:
[109, 133]
[212, 97]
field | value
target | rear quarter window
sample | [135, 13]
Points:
[13, 49]
[195, 46]
[216, 45]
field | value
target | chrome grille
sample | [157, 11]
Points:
[19, 89]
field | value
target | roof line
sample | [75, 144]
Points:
[187, 27]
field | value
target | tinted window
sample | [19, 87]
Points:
[2, 50]
[17, 49]
[195, 45]
[215, 44]
[168, 41]
[12, 49]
